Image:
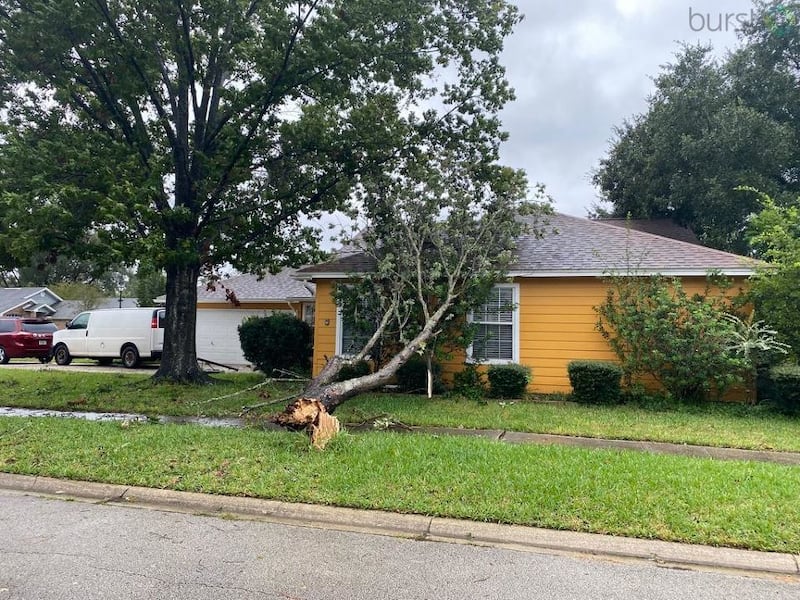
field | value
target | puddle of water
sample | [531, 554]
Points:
[129, 417]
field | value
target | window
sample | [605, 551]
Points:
[79, 322]
[354, 330]
[497, 327]
[308, 313]
[352, 337]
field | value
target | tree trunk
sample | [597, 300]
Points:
[324, 394]
[179, 360]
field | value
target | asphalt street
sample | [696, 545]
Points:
[52, 549]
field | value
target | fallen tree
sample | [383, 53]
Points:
[440, 232]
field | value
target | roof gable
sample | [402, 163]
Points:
[28, 298]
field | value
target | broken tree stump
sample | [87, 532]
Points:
[311, 415]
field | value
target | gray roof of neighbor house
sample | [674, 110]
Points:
[249, 288]
[37, 299]
[573, 246]
[69, 309]
[663, 227]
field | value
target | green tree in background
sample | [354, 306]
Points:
[775, 291]
[711, 127]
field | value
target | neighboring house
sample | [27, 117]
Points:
[28, 302]
[544, 315]
[222, 307]
[66, 310]
[44, 303]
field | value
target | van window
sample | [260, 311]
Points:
[7, 326]
[38, 327]
[162, 316]
[80, 322]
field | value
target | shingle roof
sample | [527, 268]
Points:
[573, 246]
[278, 288]
[663, 227]
[585, 247]
[349, 263]
[30, 297]
[69, 309]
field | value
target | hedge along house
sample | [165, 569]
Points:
[223, 306]
[544, 316]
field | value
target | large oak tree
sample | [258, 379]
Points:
[202, 133]
[711, 126]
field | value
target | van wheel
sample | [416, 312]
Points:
[130, 357]
[3, 356]
[61, 354]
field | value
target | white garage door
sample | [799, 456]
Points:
[218, 334]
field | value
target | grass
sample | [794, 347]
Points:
[135, 392]
[713, 424]
[746, 505]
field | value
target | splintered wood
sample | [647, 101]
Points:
[324, 429]
[310, 414]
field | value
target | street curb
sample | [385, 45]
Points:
[529, 539]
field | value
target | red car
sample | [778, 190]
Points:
[25, 338]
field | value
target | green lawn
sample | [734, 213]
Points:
[723, 425]
[747, 505]
[135, 392]
[717, 424]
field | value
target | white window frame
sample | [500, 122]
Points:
[514, 330]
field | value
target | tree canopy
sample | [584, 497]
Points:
[440, 231]
[775, 291]
[195, 134]
[711, 127]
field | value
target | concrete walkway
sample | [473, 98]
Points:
[516, 437]
[529, 539]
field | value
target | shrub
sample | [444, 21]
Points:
[656, 328]
[595, 381]
[279, 341]
[353, 370]
[786, 387]
[508, 381]
[413, 375]
[469, 383]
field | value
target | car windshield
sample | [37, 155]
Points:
[39, 327]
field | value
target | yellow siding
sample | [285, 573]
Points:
[557, 325]
[324, 324]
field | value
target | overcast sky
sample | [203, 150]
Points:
[580, 67]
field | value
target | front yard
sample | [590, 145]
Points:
[723, 425]
[738, 504]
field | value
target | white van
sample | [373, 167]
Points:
[130, 334]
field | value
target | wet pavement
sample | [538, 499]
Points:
[120, 417]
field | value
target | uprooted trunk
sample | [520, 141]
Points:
[311, 411]
[324, 393]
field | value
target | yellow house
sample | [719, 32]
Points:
[554, 284]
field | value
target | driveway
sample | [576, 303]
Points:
[90, 366]
[78, 366]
